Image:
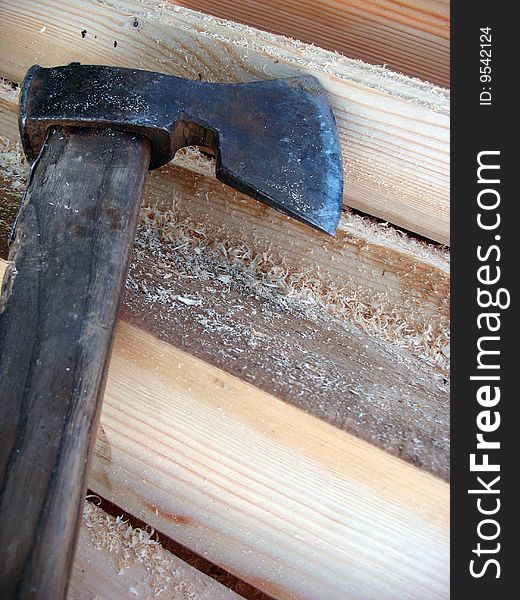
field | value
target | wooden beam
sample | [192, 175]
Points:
[260, 487]
[234, 306]
[411, 37]
[115, 560]
[257, 303]
[282, 500]
[385, 282]
[394, 130]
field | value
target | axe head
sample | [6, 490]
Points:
[274, 140]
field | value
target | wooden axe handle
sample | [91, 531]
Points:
[70, 254]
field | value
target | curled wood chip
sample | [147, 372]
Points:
[187, 301]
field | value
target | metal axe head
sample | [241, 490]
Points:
[274, 140]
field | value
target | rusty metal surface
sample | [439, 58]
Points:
[274, 140]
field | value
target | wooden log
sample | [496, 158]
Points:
[331, 369]
[285, 502]
[411, 37]
[394, 130]
[115, 560]
[233, 307]
[261, 488]
[255, 305]
[58, 307]
[387, 283]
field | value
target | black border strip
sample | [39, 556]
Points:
[480, 128]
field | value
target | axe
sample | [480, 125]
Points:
[92, 133]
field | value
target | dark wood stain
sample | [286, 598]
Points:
[55, 341]
[176, 518]
[9, 205]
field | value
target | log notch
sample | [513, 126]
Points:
[394, 130]
[411, 37]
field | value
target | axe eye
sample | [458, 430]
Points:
[189, 133]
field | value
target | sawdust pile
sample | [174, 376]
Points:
[186, 249]
[9, 91]
[13, 164]
[128, 545]
[13, 171]
[159, 574]
[196, 250]
[295, 53]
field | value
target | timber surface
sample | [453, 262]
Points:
[321, 364]
[236, 473]
[409, 37]
[9, 205]
[261, 488]
[394, 130]
[115, 561]
[396, 285]
[402, 406]
[331, 369]
[328, 367]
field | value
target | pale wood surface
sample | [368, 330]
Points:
[205, 457]
[269, 313]
[260, 487]
[115, 561]
[283, 501]
[332, 370]
[394, 130]
[410, 37]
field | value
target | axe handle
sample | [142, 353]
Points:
[70, 251]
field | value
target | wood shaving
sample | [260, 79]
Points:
[299, 54]
[13, 164]
[130, 559]
[9, 92]
[128, 545]
[190, 249]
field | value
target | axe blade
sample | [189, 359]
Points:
[274, 140]
[280, 145]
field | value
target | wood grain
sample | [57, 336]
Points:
[261, 488]
[115, 561]
[394, 130]
[410, 37]
[256, 327]
[331, 369]
[390, 296]
[388, 272]
[68, 262]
